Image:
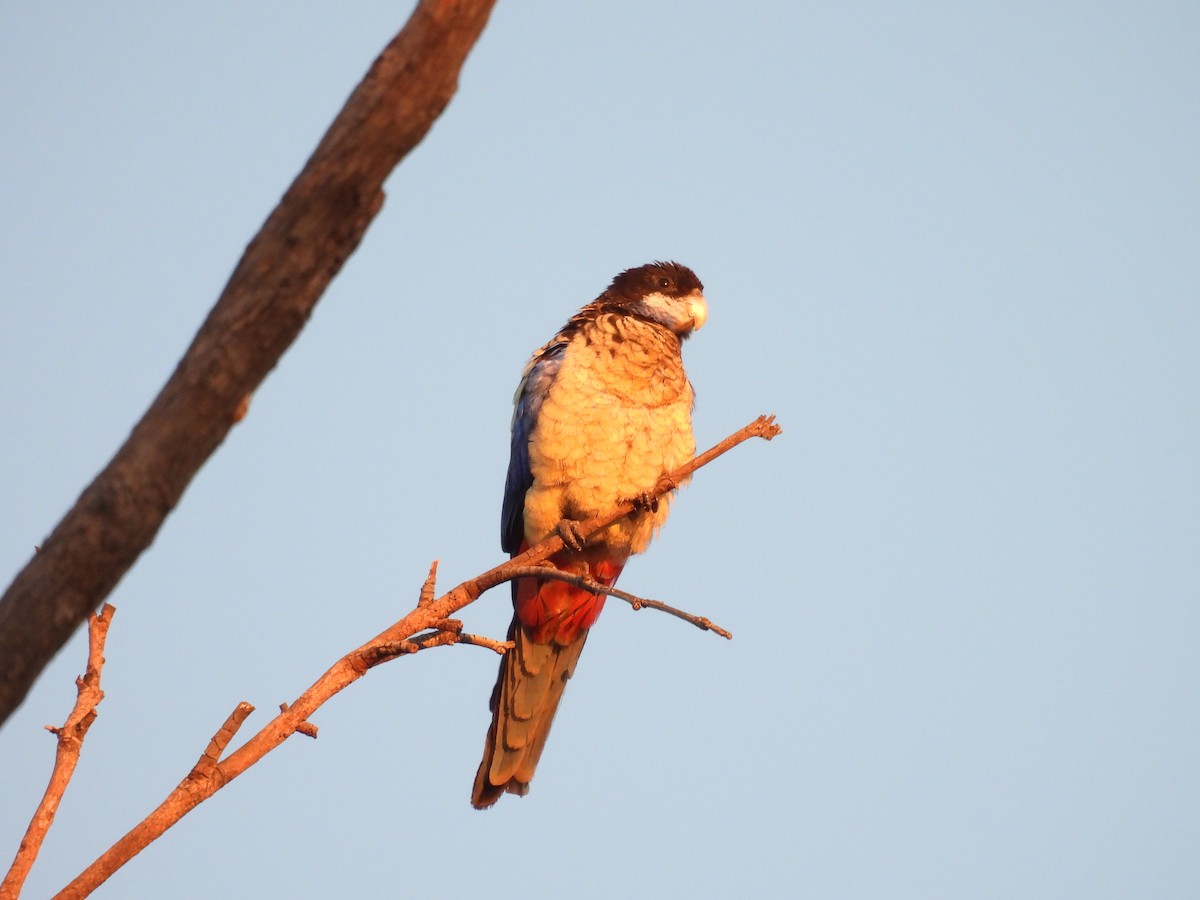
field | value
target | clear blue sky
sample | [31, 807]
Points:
[956, 248]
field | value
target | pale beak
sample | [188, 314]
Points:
[698, 311]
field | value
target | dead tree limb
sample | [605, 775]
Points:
[271, 294]
[401, 639]
[70, 743]
[595, 587]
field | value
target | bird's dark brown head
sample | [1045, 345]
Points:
[666, 293]
[670, 279]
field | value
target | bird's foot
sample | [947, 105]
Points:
[645, 502]
[571, 534]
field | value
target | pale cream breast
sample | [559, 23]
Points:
[619, 416]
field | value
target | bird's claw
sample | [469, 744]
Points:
[645, 503]
[571, 534]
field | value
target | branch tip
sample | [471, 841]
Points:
[477, 640]
[69, 737]
[766, 428]
[211, 756]
[428, 588]
[595, 587]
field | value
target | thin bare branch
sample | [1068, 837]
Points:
[763, 427]
[212, 753]
[595, 587]
[479, 640]
[308, 729]
[428, 588]
[403, 638]
[70, 743]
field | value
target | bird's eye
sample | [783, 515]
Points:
[664, 282]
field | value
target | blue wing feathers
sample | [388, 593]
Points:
[539, 376]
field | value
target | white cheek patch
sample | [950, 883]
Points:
[678, 313]
[660, 303]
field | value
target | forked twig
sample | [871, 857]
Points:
[70, 743]
[595, 587]
[431, 616]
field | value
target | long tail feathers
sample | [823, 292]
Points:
[526, 696]
[548, 631]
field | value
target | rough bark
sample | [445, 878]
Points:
[271, 294]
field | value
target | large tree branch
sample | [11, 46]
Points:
[272, 292]
[431, 615]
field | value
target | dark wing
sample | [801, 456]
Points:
[539, 376]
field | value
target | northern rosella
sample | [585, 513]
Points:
[603, 409]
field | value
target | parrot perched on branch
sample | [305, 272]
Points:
[602, 411]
